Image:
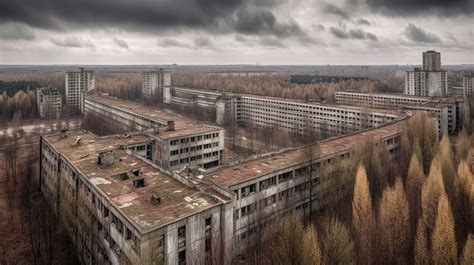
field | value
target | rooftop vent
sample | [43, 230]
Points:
[170, 125]
[106, 158]
[155, 198]
[139, 182]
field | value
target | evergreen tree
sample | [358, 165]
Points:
[362, 218]
[443, 241]
[421, 253]
[394, 224]
[414, 184]
[430, 193]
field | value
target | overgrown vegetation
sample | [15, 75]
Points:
[373, 213]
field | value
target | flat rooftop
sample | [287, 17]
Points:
[236, 174]
[183, 125]
[177, 199]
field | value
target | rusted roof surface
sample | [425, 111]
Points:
[176, 199]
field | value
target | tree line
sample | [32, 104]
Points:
[280, 86]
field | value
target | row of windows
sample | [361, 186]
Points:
[193, 139]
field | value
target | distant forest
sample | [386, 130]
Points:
[312, 79]
[11, 87]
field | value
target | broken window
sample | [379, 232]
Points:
[182, 257]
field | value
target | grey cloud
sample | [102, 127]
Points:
[72, 42]
[240, 38]
[417, 7]
[169, 42]
[16, 31]
[272, 42]
[371, 36]
[319, 27]
[341, 34]
[121, 43]
[253, 17]
[362, 21]
[256, 22]
[203, 42]
[418, 34]
[335, 10]
[358, 34]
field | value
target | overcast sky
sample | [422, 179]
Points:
[234, 31]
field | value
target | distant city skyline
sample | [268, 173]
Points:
[342, 32]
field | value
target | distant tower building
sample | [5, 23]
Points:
[467, 85]
[154, 82]
[77, 84]
[430, 80]
[431, 61]
[49, 102]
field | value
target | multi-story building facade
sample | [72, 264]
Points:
[301, 118]
[430, 80]
[268, 187]
[120, 209]
[180, 141]
[77, 84]
[431, 61]
[154, 82]
[426, 83]
[467, 82]
[295, 116]
[449, 111]
[49, 103]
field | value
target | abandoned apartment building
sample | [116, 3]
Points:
[119, 207]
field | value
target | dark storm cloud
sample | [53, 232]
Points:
[15, 31]
[254, 21]
[121, 43]
[358, 34]
[418, 34]
[335, 10]
[72, 42]
[418, 7]
[215, 16]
